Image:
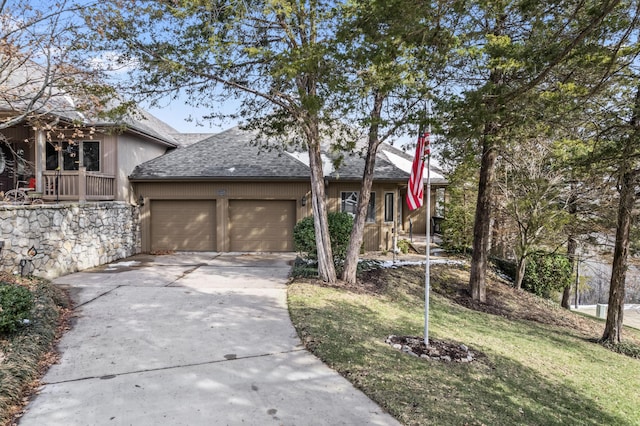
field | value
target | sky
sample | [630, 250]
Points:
[187, 119]
[177, 115]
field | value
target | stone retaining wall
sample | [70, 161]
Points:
[66, 237]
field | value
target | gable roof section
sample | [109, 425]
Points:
[186, 139]
[147, 125]
[25, 79]
[232, 154]
[227, 155]
[352, 167]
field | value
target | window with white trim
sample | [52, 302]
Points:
[389, 206]
[349, 204]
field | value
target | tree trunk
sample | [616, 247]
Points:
[520, 270]
[326, 267]
[357, 232]
[482, 224]
[613, 327]
[572, 247]
[628, 181]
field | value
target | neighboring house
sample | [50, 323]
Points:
[225, 194]
[50, 132]
[92, 167]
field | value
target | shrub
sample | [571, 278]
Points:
[546, 274]
[340, 225]
[29, 346]
[403, 246]
[304, 236]
[15, 305]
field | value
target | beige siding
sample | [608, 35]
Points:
[129, 152]
[378, 235]
[229, 190]
[418, 217]
[109, 155]
[183, 225]
[261, 225]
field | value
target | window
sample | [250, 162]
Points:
[91, 155]
[72, 155]
[349, 204]
[440, 202]
[388, 206]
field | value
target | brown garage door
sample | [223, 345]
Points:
[258, 225]
[187, 225]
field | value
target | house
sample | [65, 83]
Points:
[50, 131]
[90, 161]
[227, 194]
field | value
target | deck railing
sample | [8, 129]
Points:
[78, 185]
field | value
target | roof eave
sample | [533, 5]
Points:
[218, 179]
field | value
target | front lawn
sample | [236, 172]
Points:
[541, 364]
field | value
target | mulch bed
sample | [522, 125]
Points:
[438, 350]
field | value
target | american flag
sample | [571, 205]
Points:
[415, 193]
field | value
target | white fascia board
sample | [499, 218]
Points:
[405, 165]
[303, 157]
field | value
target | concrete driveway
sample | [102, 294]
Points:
[191, 339]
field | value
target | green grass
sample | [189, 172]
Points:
[533, 374]
[24, 353]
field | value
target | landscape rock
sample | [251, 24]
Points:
[438, 350]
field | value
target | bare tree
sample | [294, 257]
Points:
[43, 70]
[532, 192]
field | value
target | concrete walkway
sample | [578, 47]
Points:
[191, 339]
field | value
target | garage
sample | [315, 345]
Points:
[186, 225]
[261, 225]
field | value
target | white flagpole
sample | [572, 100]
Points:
[428, 243]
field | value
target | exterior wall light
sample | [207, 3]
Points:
[303, 201]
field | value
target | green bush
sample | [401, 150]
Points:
[15, 305]
[28, 346]
[304, 236]
[546, 274]
[403, 246]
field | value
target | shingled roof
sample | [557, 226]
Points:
[25, 80]
[227, 155]
[233, 154]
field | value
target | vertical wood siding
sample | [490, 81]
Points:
[377, 236]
